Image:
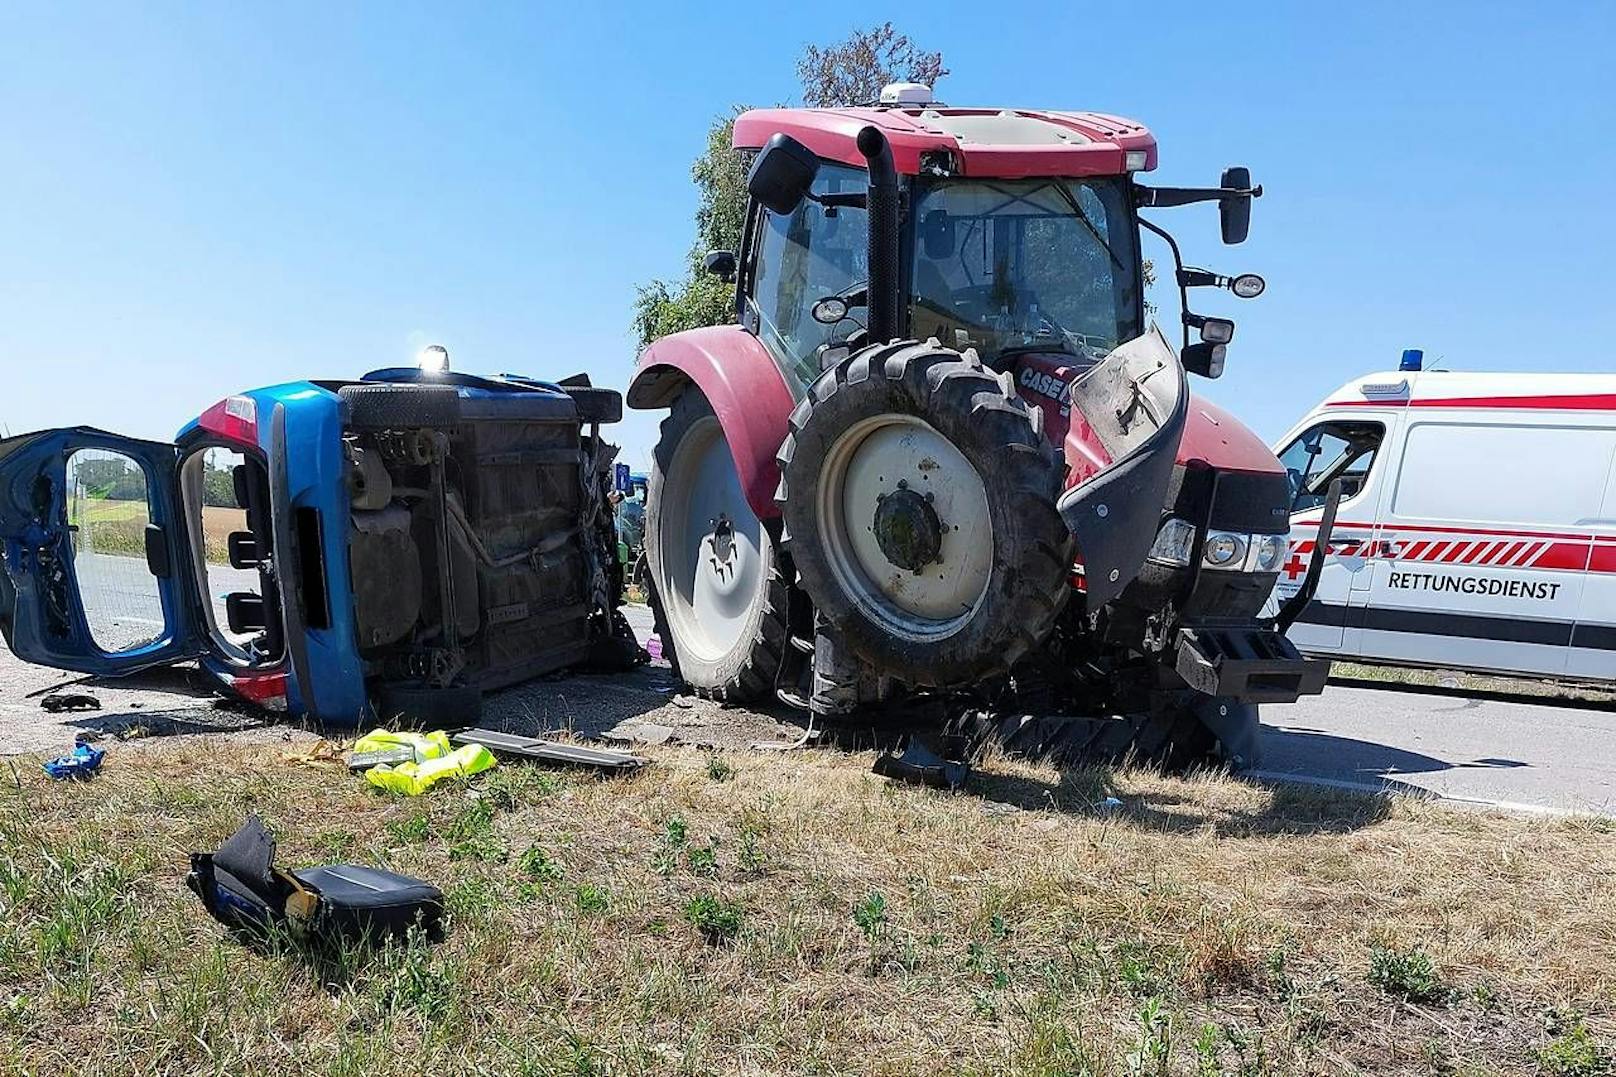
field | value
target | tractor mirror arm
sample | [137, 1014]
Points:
[1165, 197]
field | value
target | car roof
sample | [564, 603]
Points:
[988, 142]
[1478, 389]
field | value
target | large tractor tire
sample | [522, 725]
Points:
[919, 501]
[719, 592]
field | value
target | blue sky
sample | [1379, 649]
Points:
[200, 198]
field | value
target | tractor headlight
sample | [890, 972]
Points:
[1174, 542]
[1224, 549]
[1269, 552]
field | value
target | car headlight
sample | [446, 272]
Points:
[1269, 553]
[1224, 549]
[1174, 543]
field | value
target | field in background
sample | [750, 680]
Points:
[765, 913]
[119, 527]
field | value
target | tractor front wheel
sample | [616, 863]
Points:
[718, 592]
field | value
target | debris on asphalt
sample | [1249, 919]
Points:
[940, 765]
[550, 751]
[432, 758]
[641, 733]
[58, 702]
[79, 764]
[343, 903]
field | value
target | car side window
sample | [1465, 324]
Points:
[1321, 454]
[801, 258]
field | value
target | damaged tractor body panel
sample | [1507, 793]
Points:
[1134, 402]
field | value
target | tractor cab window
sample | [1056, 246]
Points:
[1042, 264]
[1330, 451]
[801, 258]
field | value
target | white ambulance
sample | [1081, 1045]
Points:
[1476, 527]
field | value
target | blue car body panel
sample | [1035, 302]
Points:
[296, 432]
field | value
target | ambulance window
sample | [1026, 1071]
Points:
[1326, 452]
[1502, 474]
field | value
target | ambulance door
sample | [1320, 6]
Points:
[1482, 550]
[1593, 637]
[1328, 447]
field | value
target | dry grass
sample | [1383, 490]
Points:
[1527, 688]
[793, 913]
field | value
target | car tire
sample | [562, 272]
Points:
[454, 707]
[919, 496]
[390, 407]
[725, 646]
[596, 405]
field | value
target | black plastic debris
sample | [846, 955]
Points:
[549, 751]
[59, 702]
[938, 762]
[241, 888]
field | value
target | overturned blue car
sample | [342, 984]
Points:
[342, 550]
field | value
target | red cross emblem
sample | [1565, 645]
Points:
[1295, 567]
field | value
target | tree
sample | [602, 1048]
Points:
[845, 73]
[852, 72]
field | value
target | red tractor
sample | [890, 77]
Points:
[941, 455]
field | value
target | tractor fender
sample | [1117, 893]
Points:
[1135, 403]
[747, 392]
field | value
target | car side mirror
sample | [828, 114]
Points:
[720, 264]
[783, 174]
[1234, 211]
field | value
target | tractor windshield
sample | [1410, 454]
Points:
[1011, 265]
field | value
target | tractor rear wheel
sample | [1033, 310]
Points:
[719, 593]
[919, 500]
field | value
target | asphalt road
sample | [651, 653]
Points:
[1526, 755]
[1529, 755]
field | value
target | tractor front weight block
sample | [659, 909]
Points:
[1255, 665]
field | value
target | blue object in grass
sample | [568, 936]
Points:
[83, 761]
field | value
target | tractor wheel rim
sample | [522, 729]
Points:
[711, 546]
[939, 578]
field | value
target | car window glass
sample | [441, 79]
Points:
[1327, 452]
[108, 509]
[216, 513]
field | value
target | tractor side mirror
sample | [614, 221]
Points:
[1205, 359]
[1234, 211]
[783, 174]
[720, 264]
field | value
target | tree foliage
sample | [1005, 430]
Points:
[852, 72]
[847, 72]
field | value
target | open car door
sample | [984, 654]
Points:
[95, 574]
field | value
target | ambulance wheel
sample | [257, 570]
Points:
[918, 493]
[718, 588]
[386, 406]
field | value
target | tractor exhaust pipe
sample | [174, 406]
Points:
[881, 207]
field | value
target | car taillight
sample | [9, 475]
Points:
[234, 418]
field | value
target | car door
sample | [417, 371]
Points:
[1344, 447]
[94, 569]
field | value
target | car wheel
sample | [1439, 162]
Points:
[384, 406]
